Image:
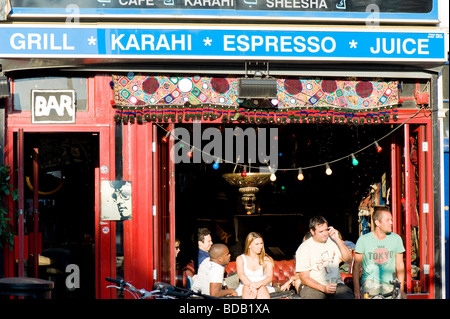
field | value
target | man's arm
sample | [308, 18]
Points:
[310, 282]
[400, 272]
[215, 290]
[346, 254]
[357, 275]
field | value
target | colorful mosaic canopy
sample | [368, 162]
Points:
[144, 90]
[197, 97]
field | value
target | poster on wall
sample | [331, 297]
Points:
[116, 200]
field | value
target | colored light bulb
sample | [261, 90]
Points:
[379, 149]
[190, 153]
[165, 138]
[354, 160]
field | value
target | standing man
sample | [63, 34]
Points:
[317, 262]
[209, 279]
[380, 253]
[204, 244]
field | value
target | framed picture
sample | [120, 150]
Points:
[116, 200]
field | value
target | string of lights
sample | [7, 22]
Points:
[300, 170]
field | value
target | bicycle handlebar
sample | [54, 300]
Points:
[169, 289]
[159, 288]
[115, 281]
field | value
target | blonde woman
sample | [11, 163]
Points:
[255, 269]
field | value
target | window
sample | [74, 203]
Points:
[23, 87]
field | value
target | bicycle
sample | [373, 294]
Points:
[395, 293]
[161, 290]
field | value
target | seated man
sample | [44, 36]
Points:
[204, 244]
[210, 274]
[317, 262]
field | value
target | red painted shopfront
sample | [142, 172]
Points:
[114, 139]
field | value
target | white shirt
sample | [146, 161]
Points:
[320, 259]
[208, 272]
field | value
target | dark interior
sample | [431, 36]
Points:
[66, 164]
[284, 207]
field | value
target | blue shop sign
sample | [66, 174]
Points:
[363, 44]
[345, 10]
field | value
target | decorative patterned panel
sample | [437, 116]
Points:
[346, 94]
[144, 90]
[139, 90]
[164, 98]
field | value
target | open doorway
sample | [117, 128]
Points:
[283, 207]
[64, 164]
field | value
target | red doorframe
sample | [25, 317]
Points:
[98, 119]
[408, 206]
[396, 195]
[105, 241]
[171, 166]
[36, 249]
[403, 203]
[139, 239]
[426, 213]
[164, 193]
[20, 204]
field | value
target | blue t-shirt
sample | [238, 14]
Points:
[202, 255]
[379, 256]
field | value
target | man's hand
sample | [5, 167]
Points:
[231, 292]
[333, 233]
[330, 288]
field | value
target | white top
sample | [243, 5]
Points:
[208, 272]
[320, 259]
[253, 275]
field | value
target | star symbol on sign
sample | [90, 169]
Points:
[92, 40]
[207, 42]
[353, 44]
